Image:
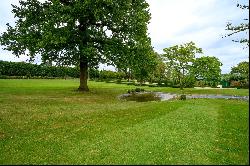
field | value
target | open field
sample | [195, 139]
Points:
[48, 122]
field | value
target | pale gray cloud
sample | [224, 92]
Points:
[201, 21]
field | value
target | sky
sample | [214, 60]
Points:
[175, 22]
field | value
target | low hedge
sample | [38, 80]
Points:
[28, 70]
[22, 70]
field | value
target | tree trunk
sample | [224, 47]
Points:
[181, 79]
[181, 84]
[83, 60]
[83, 76]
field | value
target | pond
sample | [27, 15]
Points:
[141, 97]
[160, 96]
[246, 98]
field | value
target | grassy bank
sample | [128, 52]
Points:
[48, 122]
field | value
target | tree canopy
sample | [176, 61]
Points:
[77, 32]
[180, 57]
[242, 27]
[207, 68]
[242, 70]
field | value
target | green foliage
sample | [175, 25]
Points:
[94, 73]
[19, 70]
[238, 76]
[111, 75]
[179, 58]
[243, 27]
[136, 90]
[77, 32]
[189, 81]
[207, 68]
[143, 67]
[183, 97]
[36, 71]
[241, 70]
[159, 73]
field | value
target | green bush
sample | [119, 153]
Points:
[152, 85]
[189, 81]
[27, 70]
[183, 97]
[111, 75]
[136, 90]
[176, 86]
[139, 90]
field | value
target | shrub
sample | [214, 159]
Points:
[176, 86]
[136, 90]
[183, 97]
[153, 85]
[139, 90]
[189, 82]
[119, 81]
[28, 70]
[235, 84]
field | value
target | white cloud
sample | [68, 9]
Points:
[229, 56]
[8, 56]
[201, 21]
[170, 17]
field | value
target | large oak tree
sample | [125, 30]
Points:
[79, 32]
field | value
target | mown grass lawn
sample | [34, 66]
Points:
[48, 122]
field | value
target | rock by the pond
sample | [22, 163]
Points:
[165, 96]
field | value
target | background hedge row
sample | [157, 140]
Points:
[27, 70]
[32, 70]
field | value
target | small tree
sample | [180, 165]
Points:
[180, 58]
[207, 68]
[142, 68]
[159, 72]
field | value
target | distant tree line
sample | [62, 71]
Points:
[203, 71]
[28, 70]
[238, 76]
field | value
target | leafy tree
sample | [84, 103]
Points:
[226, 77]
[159, 72]
[207, 68]
[140, 63]
[240, 74]
[243, 27]
[143, 67]
[78, 32]
[242, 69]
[33, 70]
[180, 58]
